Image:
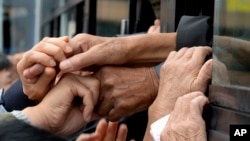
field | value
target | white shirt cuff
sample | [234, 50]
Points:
[157, 127]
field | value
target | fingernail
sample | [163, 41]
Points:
[66, 65]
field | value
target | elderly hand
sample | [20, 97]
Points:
[125, 90]
[185, 122]
[37, 66]
[59, 112]
[183, 72]
[89, 50]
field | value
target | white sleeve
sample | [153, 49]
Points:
[157, 127]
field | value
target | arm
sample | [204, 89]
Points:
[142, 48]
[181, 73]
[59, 112]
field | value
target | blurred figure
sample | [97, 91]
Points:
[8, 73]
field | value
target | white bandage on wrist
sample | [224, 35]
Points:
[157, 127]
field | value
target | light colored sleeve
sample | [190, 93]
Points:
[21, 116]
[157, 127]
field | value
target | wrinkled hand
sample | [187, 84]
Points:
[185, 122]
[59, 113]
[37, 66]
[125, 90]
[89, 50]
[106, 132]
[183, 72]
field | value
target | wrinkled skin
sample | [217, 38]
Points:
[183, 72]
[125, 90]
[185, 122]
[59, 113]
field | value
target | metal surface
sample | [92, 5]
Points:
[228, 106]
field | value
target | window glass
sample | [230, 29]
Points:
[110, 13]
[18, 25]
[59, 18]
[232, 43]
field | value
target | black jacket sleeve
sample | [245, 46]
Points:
[194, 31]
[15, 99]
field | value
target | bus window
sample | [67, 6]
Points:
[232, 43]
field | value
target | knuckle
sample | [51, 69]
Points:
[45, 39]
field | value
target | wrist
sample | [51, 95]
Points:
[155, 80]
[36, 118]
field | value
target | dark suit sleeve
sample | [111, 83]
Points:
[15, 99]
[194, 31]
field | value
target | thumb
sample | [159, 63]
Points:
[198, 104]
[204, 76]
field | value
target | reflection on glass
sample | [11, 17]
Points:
[232, 43]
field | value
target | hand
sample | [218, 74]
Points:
[91, 50]
[155, 28]
[106, 132]
[142, 48]
[183, 72]
[125, 90]
[37, 66]
[185, 122]
[59, 113]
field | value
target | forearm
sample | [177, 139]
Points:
[149, 48]
[155, 112]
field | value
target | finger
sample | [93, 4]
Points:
[157, 22]
[197, 104]
[87, 137]
[104, 107]
[111, 131]
[89, 94]
[115, 114]
[51, 49]
[79, 61]
[60, 42]
[88, 104]
[181, 52]
[94, 88]
[204, 76]
[171, 55]
[35, 57]
[185, 99]
[188, 53]
[101, 129]
[201, 53]
[122, 133]
[43, 83]
[82, 42]
[33, 71]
